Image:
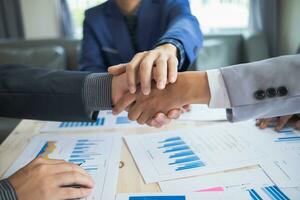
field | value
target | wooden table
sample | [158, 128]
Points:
[130, 180]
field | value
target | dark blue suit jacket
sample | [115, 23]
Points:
[107, 40]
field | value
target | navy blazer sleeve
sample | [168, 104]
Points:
[91, 58]
[184, 27]
[31, 93]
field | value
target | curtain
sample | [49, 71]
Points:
[264, 17]
[11, 25]
[67, 25]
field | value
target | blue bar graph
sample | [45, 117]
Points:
[182, 153]
[288, 139]
[185, 160]
[98, 122]
[177, 148]
[179, 142]
[191, 166]
[171, 139]
[275, 193]
[254, 195]
[123, 120]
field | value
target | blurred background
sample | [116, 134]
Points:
[47, 33]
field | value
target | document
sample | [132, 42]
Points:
[283, 163]
[190, 196]
[203, 113]
[105, 120]
[189, 152]
[100, 155]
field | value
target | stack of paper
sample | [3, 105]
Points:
[99, 153]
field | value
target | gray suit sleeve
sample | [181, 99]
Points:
[31, 93]
[7, 191]
[243, 81]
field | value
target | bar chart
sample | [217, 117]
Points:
[268, 192]
[105, 119]
[97, 154]
[180, 154]
[176, 154]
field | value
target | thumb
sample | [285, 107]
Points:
[117, 69]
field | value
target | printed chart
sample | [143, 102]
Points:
[176, 154]
[105, 120]
[99, 155]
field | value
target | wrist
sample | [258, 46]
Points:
[168, 47]
[198, 91]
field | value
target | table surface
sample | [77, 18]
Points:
[130, 180]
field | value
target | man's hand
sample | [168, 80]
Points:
[190, 87]
[118, 87]
[47, 179]
[159, 64]
[279, 122]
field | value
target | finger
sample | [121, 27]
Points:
[67, 167]
[145, 116]
[145, 72]
[72, 178]
[124, 103]
[135, 112]
[117, 69]
[186, 108]
[174, 114]
[297, 125]
[161, 72]
[282, 122]
[162, 119]
[132, 71]
[265, 122]
[73, 193]
[41, 160]
[172, 69]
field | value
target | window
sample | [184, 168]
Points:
[217, 16]
[77, 8]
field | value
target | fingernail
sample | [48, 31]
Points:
[132, 90]
[146, 91]
[160, 85]
[173, 79]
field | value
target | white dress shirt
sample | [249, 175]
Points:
[219, 95]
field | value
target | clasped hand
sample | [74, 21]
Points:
[152, 91]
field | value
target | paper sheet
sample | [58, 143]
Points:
[283, 164]
[177, 154]
[203, 113]
[255, 182]
[101, 154]
[191, 196]
[105, 120]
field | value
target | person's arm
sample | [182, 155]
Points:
[263, 89]
[31, 93]
[183, 32]
[91, 58]
[7, 192]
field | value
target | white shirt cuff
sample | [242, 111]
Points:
[219, 96]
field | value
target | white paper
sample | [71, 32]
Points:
[204, 113]
[242, 179]
[101, 154]
[254, 182]
[207, 149]
[283, 164]
[190, 196]
[105, 120]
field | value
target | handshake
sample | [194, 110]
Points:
[152, 91]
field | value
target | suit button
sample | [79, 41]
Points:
[282, 91]
[260, 94]
[271, 92]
